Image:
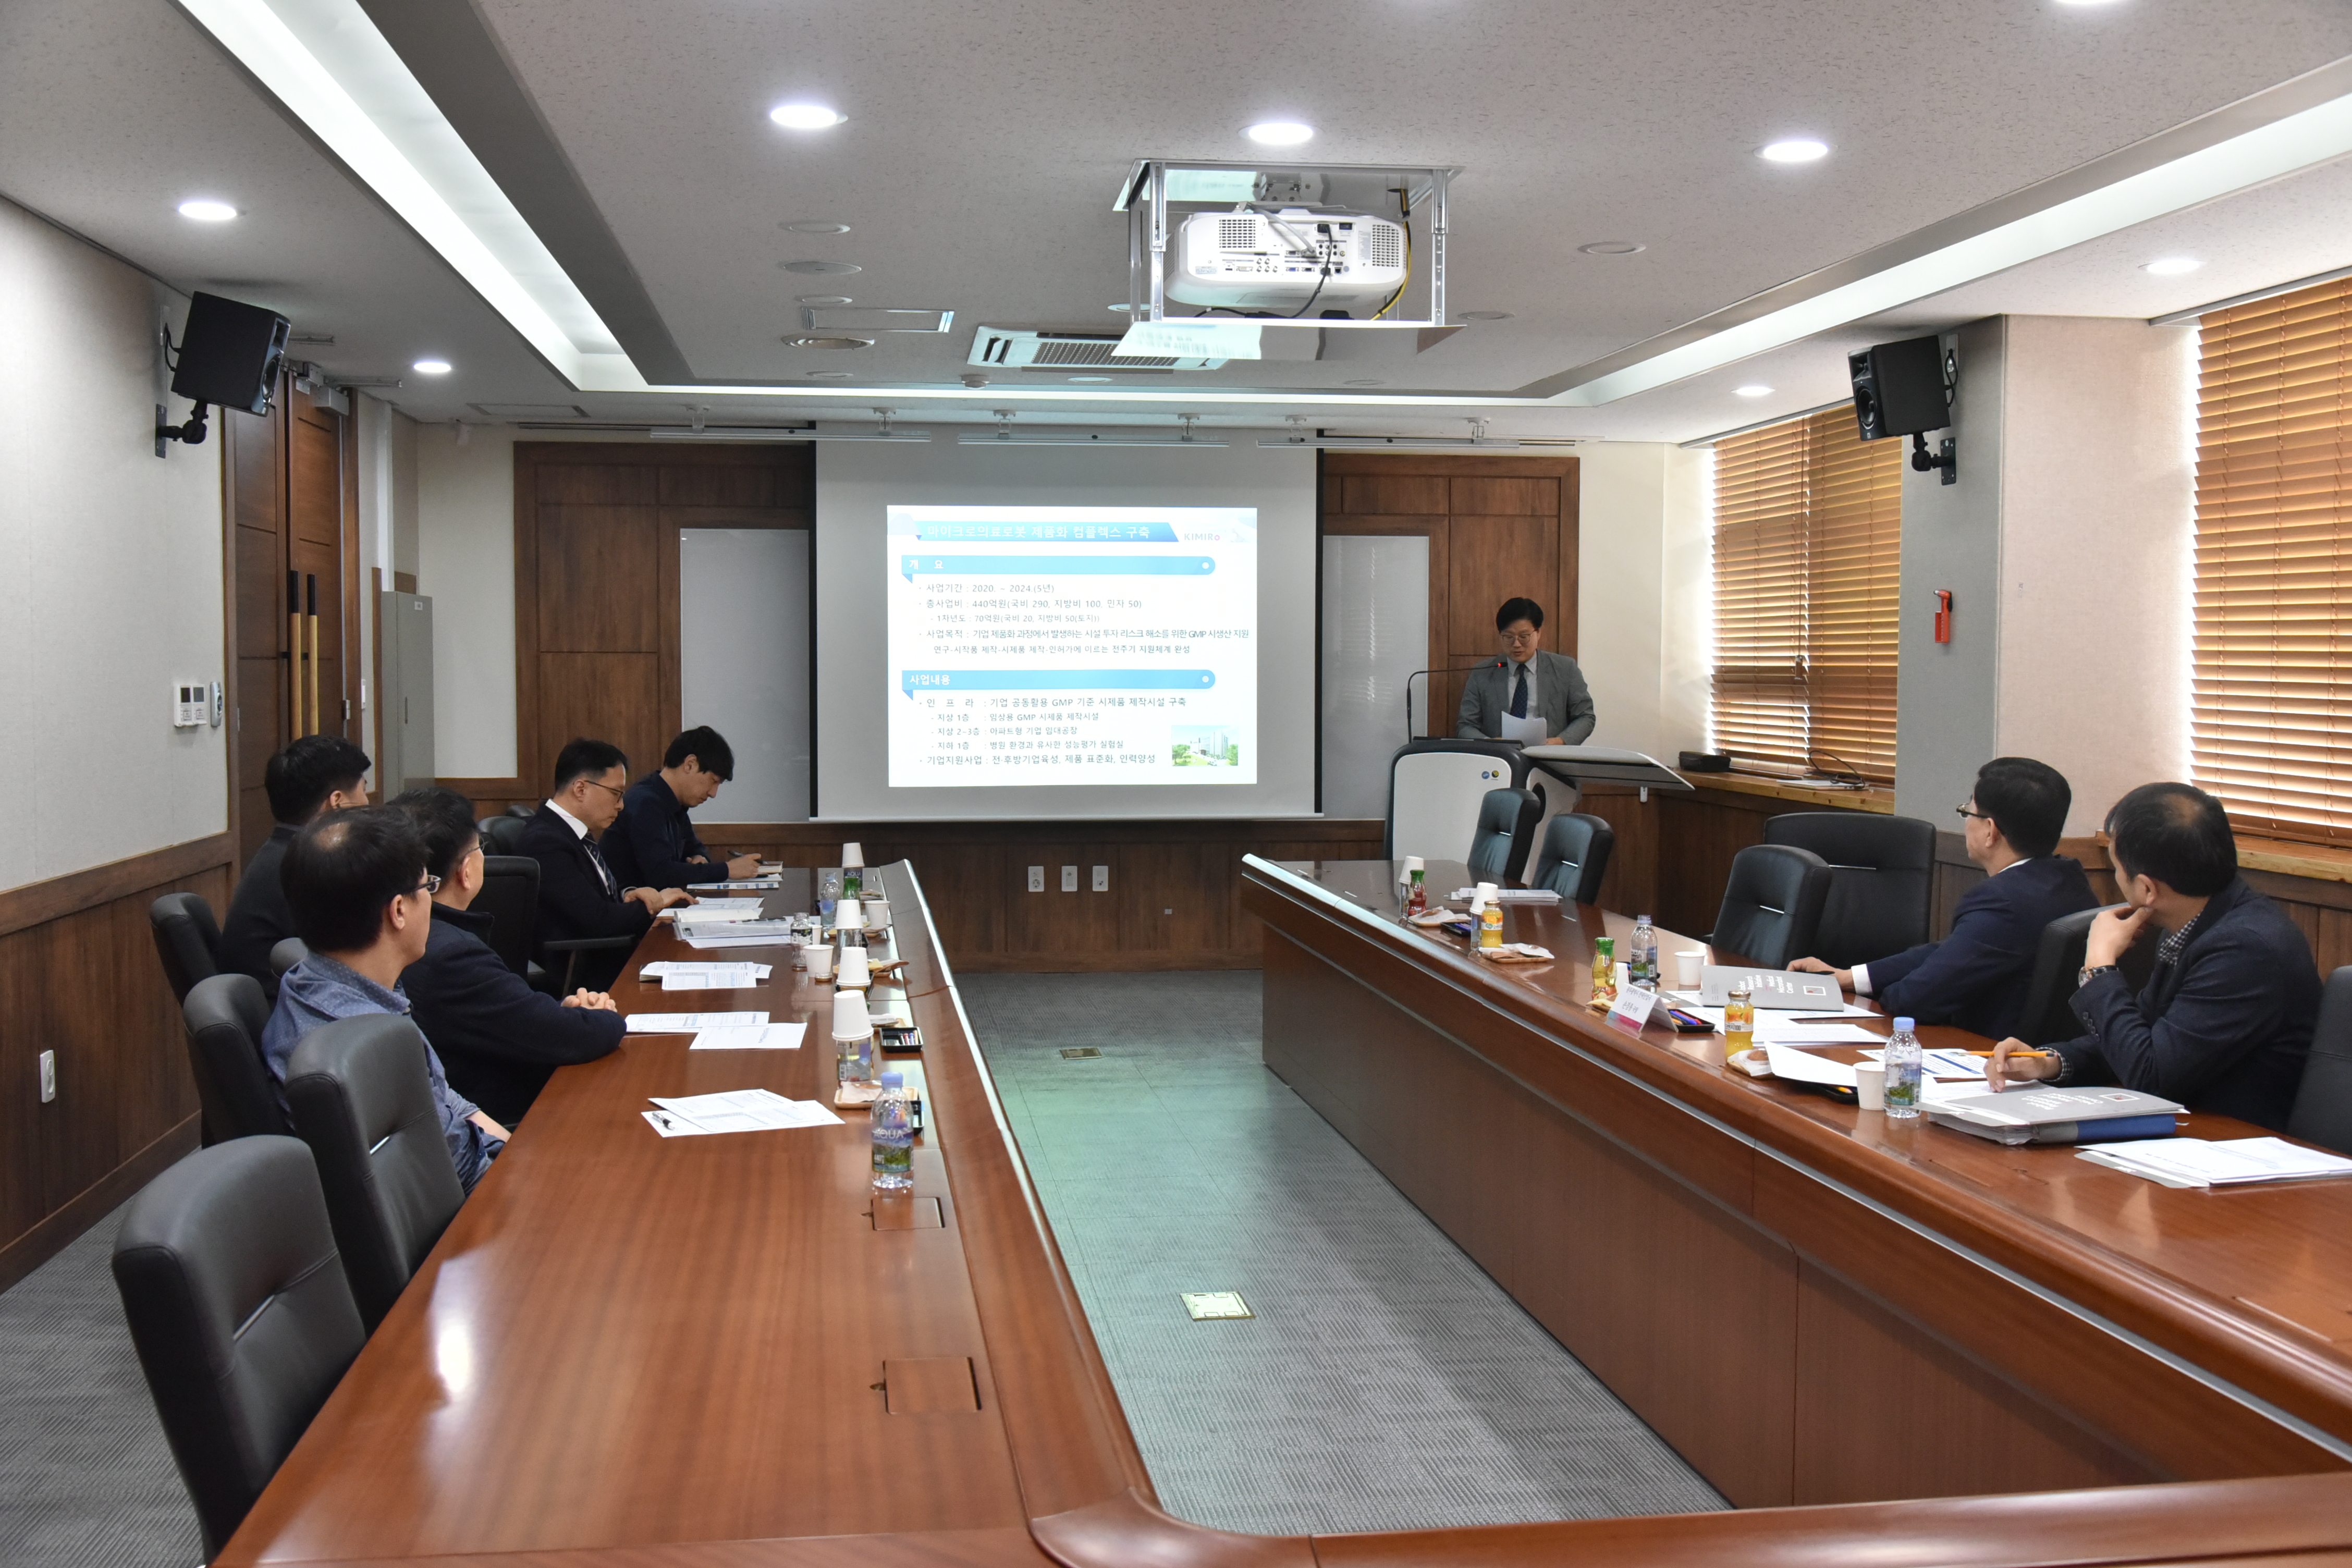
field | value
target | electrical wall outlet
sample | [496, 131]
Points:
[1036, 878]
[1069, 878]
[49, 1077]
[1102, 879]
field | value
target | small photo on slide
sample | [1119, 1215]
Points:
[1205, 746]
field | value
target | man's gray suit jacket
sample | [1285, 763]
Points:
[1559, 690]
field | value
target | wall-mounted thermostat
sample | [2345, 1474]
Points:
[192, 705]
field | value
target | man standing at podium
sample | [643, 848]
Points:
[1528, 695]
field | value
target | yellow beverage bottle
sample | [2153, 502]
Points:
[1738, 1021]
[1490, 926]
[1604, 970]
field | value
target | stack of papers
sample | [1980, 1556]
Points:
[1941, 1063]
[703, 934]
[689, 1022]
[1792, 1029]
[2203, 1163]
[737, 1110]
[664, 967]
[749, 1037]
[769, 883]
[1510, 895]
[715, 910]
[711, 977]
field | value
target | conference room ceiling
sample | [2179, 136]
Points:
[984, 146]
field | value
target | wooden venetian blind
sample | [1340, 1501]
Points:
[2274, 670]
[1807, 567]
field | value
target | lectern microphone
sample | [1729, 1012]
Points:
[1439, 669]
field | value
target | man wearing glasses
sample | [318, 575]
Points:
[362, 904]
[1528, 695]
[579, 895]
[1977, 977]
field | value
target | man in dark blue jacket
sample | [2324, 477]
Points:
[654, 842]
[580, 894]
[313, 776]
[2225, 1021]
[498, 1039]
[1976, 977]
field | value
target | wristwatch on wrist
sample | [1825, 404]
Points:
[2091, 972]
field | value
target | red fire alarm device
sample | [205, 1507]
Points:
[1943, 614]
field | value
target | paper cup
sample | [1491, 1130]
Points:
[1688, 962]
[875, 913]
[1870, 1085]
[819, 961]
[853, 856]
[854, 976]
[850, 914]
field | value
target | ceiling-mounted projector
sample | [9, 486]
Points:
[1283, 260]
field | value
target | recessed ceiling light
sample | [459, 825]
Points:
[1799, 149]
[806, 116]
[206, 211]
[811, 341]
[817, 228]
[1280, 134]
[1751, 391]
[820, 269]
[1486, 315]
[431, 367]
[2172, 266]
[1098, 380]
[1612, 247]
[1374, 381]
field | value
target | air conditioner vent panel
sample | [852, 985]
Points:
[1034, 348]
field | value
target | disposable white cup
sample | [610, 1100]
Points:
[853, 856]
[820, 960]
[850, 914]
[1870, 1085]
[875, 913]
[854, 974]
[1688, 962]
[850, 1019]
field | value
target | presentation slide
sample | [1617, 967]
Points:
[1064, 644]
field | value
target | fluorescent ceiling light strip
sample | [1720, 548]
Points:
[1085, 440]
[261, 41]
[766, 433]
[1416, 444]
[2296, 141]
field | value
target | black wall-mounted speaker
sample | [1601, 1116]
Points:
[1898, 388]
[230, 354]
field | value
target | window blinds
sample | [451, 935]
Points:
[2273, 672]
[1808, 569]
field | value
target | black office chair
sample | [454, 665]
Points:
[224, 1017]
[187, 939]
[502, 834]
[1881, 879]
[1505, 834]
[2057, 962]
[1772, 905]
[240, 1314]
[575, 957]
[510, 896]
[1574, 856]
[284, 955]
[362, 1100]
[2322, 1103]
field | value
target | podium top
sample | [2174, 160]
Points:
[1606, 764]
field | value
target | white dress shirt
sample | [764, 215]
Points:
[581, 828]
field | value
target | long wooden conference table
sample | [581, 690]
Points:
[632, 1352]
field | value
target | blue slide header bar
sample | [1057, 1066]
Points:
[1050, 533]
[915, 566]
[913, 681]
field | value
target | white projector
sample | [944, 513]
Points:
[1275, 261]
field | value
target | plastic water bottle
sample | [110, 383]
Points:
[1641, 960]
[1903, 1067]
[893, 1137]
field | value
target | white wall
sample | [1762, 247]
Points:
[464, 562]
[112, 591]
[1642, 569]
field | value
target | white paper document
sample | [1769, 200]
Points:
[662, 967]
[1509, 895]
[736, 1110]
[755, 882]
[1771, 1029]
[704, 935]
[2205, 1163]
[704, 909]
[1804, 1067]
[749, 1037]
[1942, 1063]
[689, 1022]
[711, 977]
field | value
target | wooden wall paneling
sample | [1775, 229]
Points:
[1631, 880]
[315, 538]
[669, 671]
[254, 469]
[612, 697]
[358, 608]
[1494, 559]
[1054, 922]
[1175, 895]
[598, 578]
[1394, 494]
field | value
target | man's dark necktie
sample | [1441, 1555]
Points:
[1519, 695]
[601, 870]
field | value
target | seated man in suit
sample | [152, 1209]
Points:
[654, 843]
[313, 774]
[2225, 1021]
[1526, 695]
[579, 894]
[1977, 977]
[362, 903]
[498, 1039]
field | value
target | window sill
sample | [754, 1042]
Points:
[2320, 862]
[1880, 801]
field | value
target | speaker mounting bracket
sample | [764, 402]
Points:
[1946, 457]
[193, 432]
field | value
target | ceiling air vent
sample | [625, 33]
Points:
[1032, 348]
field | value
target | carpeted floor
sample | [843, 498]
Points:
[1385, 1382]
[85, 1478]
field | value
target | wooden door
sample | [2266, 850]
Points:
[1498, 528]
